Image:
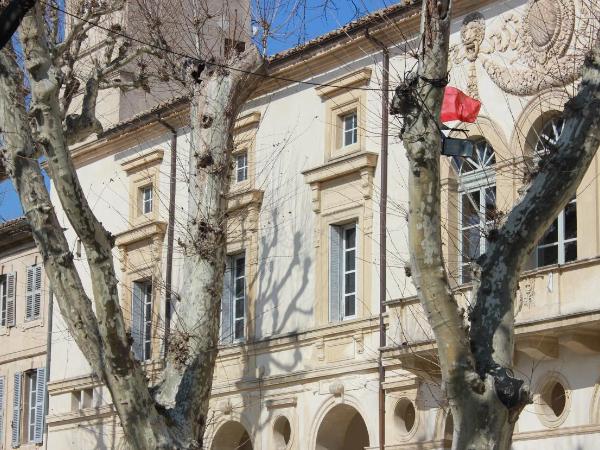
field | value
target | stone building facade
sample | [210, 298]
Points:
[298, 366]
[24, 324]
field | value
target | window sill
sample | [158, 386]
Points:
[32, 324]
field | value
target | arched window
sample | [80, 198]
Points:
[559, 243]
[476, 203]
[549, 135]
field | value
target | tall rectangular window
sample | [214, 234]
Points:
[342, 272]
[349, 271]
[33, 297]
[141, 320]
[350, 129]
[477, 209]
[146, 199]
[241, 167]
[559, 244]
[233, 304]
[28, 407]
[30, 404]
[239, 296]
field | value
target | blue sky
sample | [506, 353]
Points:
[318, 17]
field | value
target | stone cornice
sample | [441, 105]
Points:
[247, 120]
[139, 162]
[340, 167]
[243, 199]
[355, 79]
[141, 232]
[129, 134]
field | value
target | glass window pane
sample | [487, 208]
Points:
[350, 237]
[347, 138]
[240, 264]
[239, 308]
[350, 129]
[490, 203]
[239, 288]
[551, 235]
[571, 251]
[239, 329]
[470, 215]
[571, 221]
[470, 244]
[547, 255]
[349, 283]
[350, 260]
[349, 305]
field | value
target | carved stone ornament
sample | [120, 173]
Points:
[472, 34]
[525, 54]
[544, 48]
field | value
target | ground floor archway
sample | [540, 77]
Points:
[231, 436]
[342, 428]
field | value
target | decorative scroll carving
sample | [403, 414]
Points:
[526, 54]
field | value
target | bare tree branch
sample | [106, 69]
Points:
[121, 372]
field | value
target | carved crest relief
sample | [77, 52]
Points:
[528, 53]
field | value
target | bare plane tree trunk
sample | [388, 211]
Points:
[477, 360]
[173, 414]
[195, 336]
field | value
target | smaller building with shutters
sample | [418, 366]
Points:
[24, 300]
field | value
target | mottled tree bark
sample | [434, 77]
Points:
[476, 360]
[194, 339]
[171, 416]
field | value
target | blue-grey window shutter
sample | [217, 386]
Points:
[40, 408]
[226, 305]
[335, 273]
[137, 307]
[2, 395]
[37, 291]
[16, 415]
[11, 294]
[29, 293]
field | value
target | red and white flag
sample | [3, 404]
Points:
[459, 106]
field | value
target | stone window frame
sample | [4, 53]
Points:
[540, 406]
[148, 237]
[143, 170]
[341, 97]
[403, 388]
[243, 210]
[537, 126]
[484, 128]
[244, 141]
[361, 166]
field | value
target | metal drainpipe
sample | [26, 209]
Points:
[48, 362]
[170, 231]
[382, 227]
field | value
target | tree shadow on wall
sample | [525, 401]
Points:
[279, 283]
